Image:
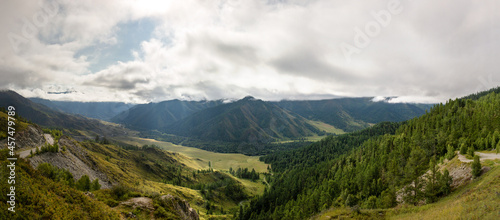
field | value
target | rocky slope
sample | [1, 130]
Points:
[30, 137]
[75, 159]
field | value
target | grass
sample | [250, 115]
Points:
[198, 159]
[319, 125]
[326, 127]
[347, 213]
[478, 200]
[129, 168]
[20, 125]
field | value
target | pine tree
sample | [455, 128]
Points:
[470, 151]
[432, 187]
[450, 152]
[463, 149]
[445, 181]
[498, 147]
[83, 183]
[476, 167]
[95, 185]
[413, 192]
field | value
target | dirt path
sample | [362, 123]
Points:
[482, 157]
[49, 139]
[26, 153]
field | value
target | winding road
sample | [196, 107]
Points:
[482, 157]
[26, 153]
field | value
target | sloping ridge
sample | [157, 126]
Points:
[75, 159]
[45, 116]
[248, 120]
[98, 110]
[158, 115]
[350, 114]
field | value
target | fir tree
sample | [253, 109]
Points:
[476, 167]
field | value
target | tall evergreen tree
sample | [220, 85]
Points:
[413, 191]
[476, 167]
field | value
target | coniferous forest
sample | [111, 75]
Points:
[378, 162]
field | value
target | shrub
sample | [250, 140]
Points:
[95, 185]
[83, 183]
[120, 191]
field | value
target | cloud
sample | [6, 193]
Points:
[272, 50]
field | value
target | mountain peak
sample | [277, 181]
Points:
[249, 98]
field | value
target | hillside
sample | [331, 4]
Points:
[246, 120]
[309, 180]
[40, 197]
[350, 114]
[154, 116]
[45, 116]
[98, 110]
[136, 182]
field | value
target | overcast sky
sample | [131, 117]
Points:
[143, 51]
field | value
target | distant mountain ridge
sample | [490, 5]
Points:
[246, 120]
[155, 116]
[351, 114]
[98, 110]
[45, 116]
[250, 119]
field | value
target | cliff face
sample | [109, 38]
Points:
[30, 137]
[180, 206]
[75, 159]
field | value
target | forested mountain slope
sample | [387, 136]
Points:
[372, 173]
[98, 110]
[350, 114]
[154, 116]
[45, 116]
[246, 120]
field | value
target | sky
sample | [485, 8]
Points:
[149, 51]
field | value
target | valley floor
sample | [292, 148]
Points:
[198, 159]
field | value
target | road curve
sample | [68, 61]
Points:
[482, 157]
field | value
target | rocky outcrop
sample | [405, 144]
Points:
[180, 207]
[143, 203]
[75, 159]
[30, 137]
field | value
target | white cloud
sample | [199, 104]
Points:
[269, 49]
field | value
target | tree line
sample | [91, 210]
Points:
[369, 171]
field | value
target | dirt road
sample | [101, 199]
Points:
[482, 156]
[26, 153]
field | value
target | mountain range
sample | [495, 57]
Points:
[98, 110]
[48, 117]
[362, 174]
[247, 120]
[155, 116]
[351, 114]
[250, 119]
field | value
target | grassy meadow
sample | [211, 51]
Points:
[198, 159]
